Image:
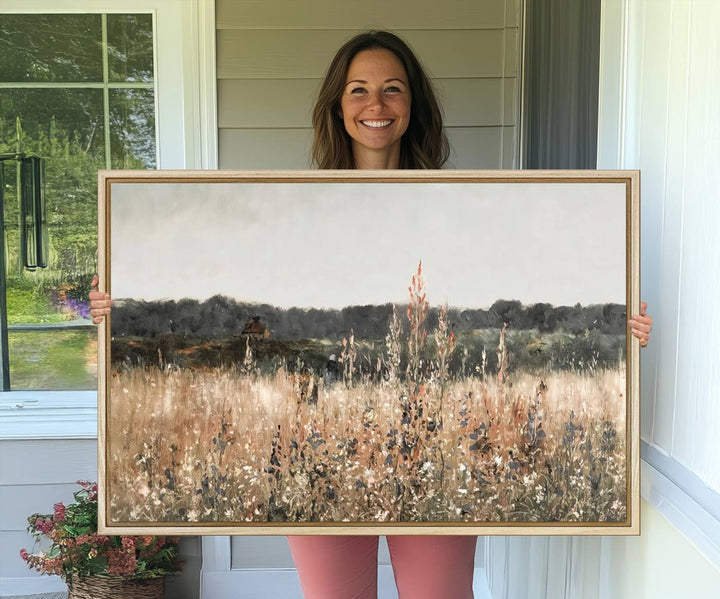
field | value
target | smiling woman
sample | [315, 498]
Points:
[375, 108]
[375, 78]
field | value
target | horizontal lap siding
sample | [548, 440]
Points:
[11, 564]
[47, 462]
[675, 70]
[307, 53]
[395, 15]
[271, 58]
[19, 501]
[266, 148]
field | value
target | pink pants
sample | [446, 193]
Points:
[425, 567]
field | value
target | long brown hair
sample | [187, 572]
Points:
[424, 144]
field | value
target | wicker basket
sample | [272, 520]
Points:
[116, 587]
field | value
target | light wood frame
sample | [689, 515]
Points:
[630, 179]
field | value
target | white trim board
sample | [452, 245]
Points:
[695, 488]
[200, 84]
[48, 415]
[683, 511]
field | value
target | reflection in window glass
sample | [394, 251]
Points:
[37, 48]
[132, 128]
[65, 114]
[130, 47]
[65, 127]
[54, 359]
[52, 341]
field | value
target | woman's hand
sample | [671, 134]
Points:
[99, 302]
[641, 325]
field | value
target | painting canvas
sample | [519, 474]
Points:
[338, 352]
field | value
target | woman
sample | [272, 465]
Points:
[377, 110]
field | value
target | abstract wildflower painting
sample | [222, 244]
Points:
[351, 353]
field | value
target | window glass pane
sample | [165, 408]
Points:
[130, 47]
[53, 360]
[132, 128]
[65, 127]
[51, 118]
[38, 48]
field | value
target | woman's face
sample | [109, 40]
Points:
[375, 104]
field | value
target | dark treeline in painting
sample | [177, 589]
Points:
[221, 316]
[220, 330]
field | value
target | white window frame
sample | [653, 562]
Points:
[186, 130]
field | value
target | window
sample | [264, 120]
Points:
[77, 90]
[186, 124]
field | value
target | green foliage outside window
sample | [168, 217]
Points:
[78, 91]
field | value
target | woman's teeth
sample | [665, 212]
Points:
[376, 124]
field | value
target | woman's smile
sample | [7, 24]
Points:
[376, 124]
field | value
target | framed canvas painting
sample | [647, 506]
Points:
[369, 352]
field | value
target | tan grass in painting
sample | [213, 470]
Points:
[236, 446]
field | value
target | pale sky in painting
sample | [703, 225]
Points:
[341, 244]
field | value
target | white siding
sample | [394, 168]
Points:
[671, 132]
[331, 14]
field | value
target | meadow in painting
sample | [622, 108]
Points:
[367, 353]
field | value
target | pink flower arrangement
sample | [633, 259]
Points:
[77, 549]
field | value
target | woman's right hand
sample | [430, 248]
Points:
[99, 302]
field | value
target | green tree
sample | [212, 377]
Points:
[66, 127]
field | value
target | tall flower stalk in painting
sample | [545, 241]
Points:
[393, 345]
[446, 342]
[348, 355]
[502, 357]
[417, 313]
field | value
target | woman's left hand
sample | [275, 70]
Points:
[641, 325]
